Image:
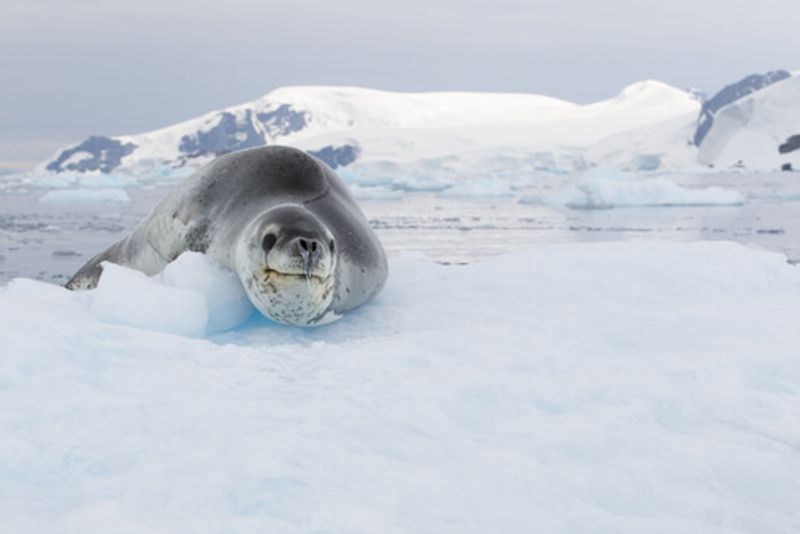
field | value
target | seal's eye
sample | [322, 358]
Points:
[269, 242]
[330, 246]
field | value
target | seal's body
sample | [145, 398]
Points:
[281, 219]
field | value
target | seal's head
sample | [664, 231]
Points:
[286, 260]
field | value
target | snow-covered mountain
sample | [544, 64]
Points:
[649, 125]
[731, 93]
[342, 124]
[758, 131]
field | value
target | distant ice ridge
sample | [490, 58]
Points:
[603, 188]
[626, 387]
[82, 187]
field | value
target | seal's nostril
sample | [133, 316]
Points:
[313, 246]
[303, 243]
[269, 242]
[330, 247]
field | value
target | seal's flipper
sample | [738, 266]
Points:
[88, 275]
[86, 278]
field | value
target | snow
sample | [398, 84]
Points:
[750, 130]
[658, 146]
[411, 128]
[607, 187]
[193, 296]
[647, 126]
[128, 297]
[225, 300]
[85, 196]
[611, 387]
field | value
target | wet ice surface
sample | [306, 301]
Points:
[50, 241]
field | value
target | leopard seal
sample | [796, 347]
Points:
[281, 219]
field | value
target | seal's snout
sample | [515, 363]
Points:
[310, 251]
[298, 247]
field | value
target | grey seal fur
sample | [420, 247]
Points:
[278, 217]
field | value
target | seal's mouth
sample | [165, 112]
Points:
[301, 276]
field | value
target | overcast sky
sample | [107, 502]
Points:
[78, 67]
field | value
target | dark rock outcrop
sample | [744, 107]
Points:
[283, 120]
[104, 154]
[732, 93]
[258, 129]
[791, 144]
[229, 134]
[248, 131]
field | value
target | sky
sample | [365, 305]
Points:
[80, 67]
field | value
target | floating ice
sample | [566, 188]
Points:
[79, 180]
[609, 188]
[85, 196]
[106, 181]
[375, 192]
[489, 187]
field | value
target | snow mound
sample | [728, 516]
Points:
[193, 296]
[227, 303]
[605, 188]
[85, 196]
[625, 387]
[128, 297]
